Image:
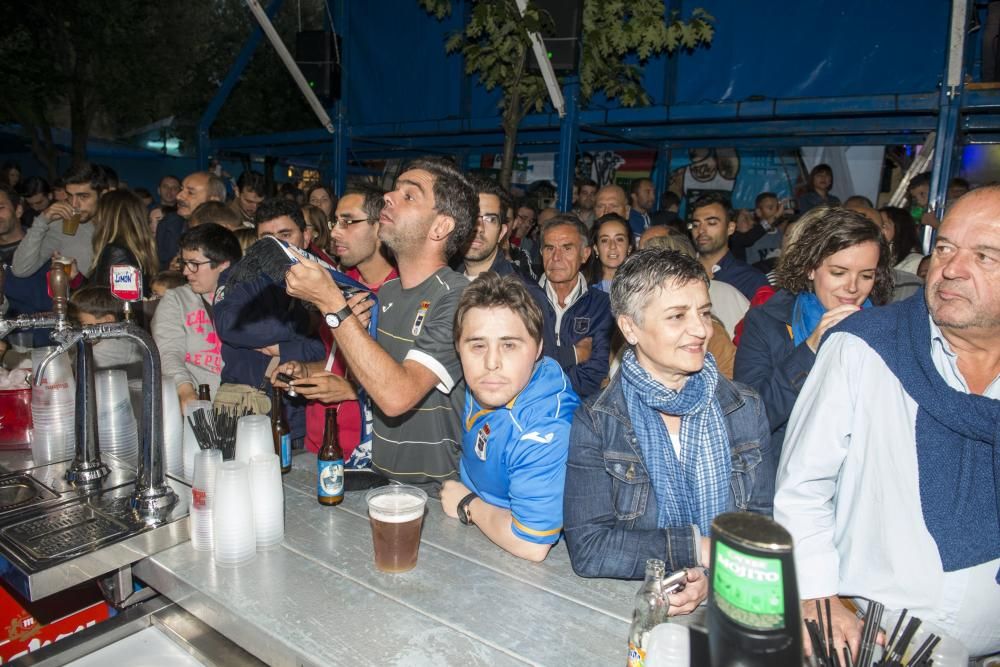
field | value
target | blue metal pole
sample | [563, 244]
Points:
[569, 132]
[661, 172]
[340, 135]
[242, 60]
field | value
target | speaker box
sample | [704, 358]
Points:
[317, 55]
[563, 45]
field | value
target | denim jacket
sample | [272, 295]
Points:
[609, 509]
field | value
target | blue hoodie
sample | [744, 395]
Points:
[515, 456]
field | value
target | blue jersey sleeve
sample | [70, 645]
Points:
[537, 469]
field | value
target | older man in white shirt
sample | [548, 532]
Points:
[889, 477]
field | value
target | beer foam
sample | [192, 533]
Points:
[396, 507]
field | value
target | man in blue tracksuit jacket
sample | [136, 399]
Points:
[578, 320]
[256, 314]
[518, 411]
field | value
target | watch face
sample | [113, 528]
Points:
[332, 320]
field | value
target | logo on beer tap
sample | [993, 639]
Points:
[126, 282]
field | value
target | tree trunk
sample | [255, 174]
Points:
[509, 150]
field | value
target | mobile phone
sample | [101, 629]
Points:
[675, 582]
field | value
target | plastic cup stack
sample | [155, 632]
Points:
[206, 467]
[191, 446]
[253, 437]
[268, 500]
[234, 535]
[117, 431]
[173, 430]
[53, 408]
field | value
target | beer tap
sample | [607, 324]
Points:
[87, 468]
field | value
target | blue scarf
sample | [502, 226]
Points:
[694, 489]
[958, 436]
[807, 313]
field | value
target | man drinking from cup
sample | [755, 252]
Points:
[518, 412]
[64, 227]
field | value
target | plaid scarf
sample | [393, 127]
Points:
[694, 489]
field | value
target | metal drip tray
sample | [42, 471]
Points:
[73, 530]
[21, 490]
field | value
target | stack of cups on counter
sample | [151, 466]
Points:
[248, 504]
[253, 437]
[173, 430]
[268, 500]
[53, 413]
[206, 466]
[117, 431]
[233, 531]
[190, 445]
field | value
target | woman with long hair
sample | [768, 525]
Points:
[839, 264]
[611, 239]
[322, 198]
[901, 233]
[318, 224]
[122, 236]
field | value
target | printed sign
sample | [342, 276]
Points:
[126, 282]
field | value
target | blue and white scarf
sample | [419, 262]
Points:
[694, 489]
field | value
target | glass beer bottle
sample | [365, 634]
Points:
[330, 465]
[204, 392]
[651, 607]
[281, 432]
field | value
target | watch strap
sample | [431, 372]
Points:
[463, 509]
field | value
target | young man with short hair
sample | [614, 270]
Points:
[411, 372]
[711, 226]
[518, 411]
[183, 326]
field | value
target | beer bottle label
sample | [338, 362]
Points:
[286, 450]
[636, 656]
[331, 478]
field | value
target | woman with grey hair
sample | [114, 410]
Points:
[669, 444]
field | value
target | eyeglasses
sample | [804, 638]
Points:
[193, 266]
[345, 223]
[489, 218]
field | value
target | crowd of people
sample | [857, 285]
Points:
[613, 374]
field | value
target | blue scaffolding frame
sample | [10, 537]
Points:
[959, 117]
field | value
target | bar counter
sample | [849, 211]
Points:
[317, 599]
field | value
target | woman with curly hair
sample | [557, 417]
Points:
[839, 264]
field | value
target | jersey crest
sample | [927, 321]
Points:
[418, 323]
[481, 439]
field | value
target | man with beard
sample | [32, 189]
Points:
[197, 188]
[643, 197]
[711, 227]
[890, 472]
[412, 373]
[54, 231]
[20, 295]
[586, 197]
[355, 242]
[483, 250]
[251, 189]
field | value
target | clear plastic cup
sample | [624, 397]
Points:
[253, 437]
[190, 445]
[233, 530]
[268, 500]
[206, 467]
[396, 514]
[173, 429]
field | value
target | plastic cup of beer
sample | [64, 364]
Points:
[397, 514]
[71, 224]
[65, 264]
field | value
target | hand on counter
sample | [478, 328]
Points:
[452, 492]
[846, 626]
[696, 591]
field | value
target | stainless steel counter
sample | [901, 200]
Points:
[318, 600]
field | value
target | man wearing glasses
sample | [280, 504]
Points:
[483, 252]
[412, 371]
[354, 231]
[190, 350]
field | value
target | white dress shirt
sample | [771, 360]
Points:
[848, 492]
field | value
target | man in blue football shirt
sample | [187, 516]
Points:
[518, 410]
